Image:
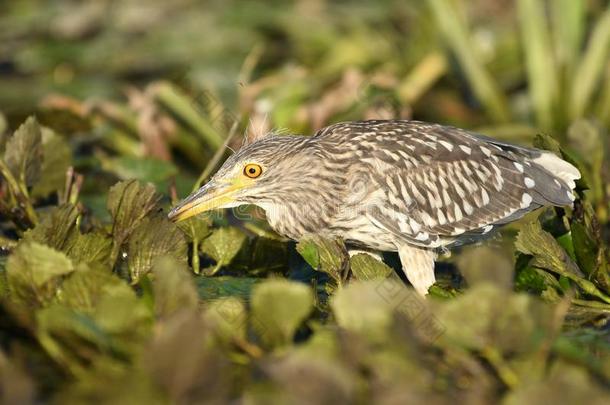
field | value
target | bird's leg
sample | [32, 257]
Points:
[418, 265]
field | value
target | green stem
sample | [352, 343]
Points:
[195, 257]
[506, 374]
[20, 194]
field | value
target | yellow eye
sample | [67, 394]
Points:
[253, 170]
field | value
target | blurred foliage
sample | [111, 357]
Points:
[102, 299]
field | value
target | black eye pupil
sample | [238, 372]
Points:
[252, 170]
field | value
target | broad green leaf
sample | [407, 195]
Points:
[228, 316]
[566, 383]
[366, 307]
[267, 255]
[173, 286]
[487, 316]
[153, 238]
[85, 287]
[143, 169]
[548, 254]
[222, 246]
[366, 267]
[196, 228]
[34, 272]
[71, 338]
[89, 247]
[325, 255]
[319, 379]
[122, 314]
[185, 364]
[56, 159]
[23, 153]
[129, 202]
[278, 308]
[56, 228]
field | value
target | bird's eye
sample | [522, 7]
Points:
[253, 170]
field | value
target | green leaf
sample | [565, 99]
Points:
[56, 159]
[173, 286]
[222, 246]
[229, 318]
[325, 255]
[364, 308]
[366, 267]
[89, 248]
[34, 273]
[129, 202]
[196, 228]
[566, 383]
[86, 286]
[23, 153]
[548, 254]
[278, 308]
[153, 238]
[56, 227]
[487, 316]
[144, 169]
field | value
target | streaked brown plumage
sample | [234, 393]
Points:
[394, 185]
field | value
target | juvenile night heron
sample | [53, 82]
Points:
[396, 185]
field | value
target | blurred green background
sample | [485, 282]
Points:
[103, 300]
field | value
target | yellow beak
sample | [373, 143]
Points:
[209, 197]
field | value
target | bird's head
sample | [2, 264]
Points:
[260, 172]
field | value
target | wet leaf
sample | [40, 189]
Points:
[34, 273]
[278, 308]
[366, 267]
[23, 153]
[153, 238]
[222, 246]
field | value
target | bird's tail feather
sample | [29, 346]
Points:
[555, 179]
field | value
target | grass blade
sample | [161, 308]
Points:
[568, 30]
[591, 67]
[539, 61]
[455, 33]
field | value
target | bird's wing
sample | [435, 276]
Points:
[441, 183]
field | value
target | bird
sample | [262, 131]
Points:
[403, 186]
